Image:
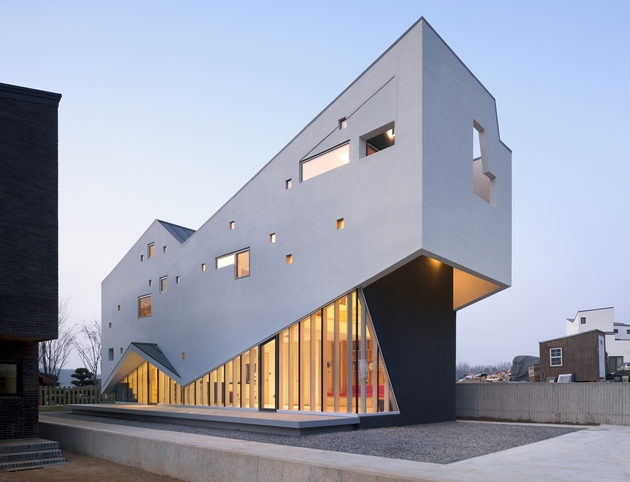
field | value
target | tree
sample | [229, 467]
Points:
[84, 378]
[89, 347]
[53, 354]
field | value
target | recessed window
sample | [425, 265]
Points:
[272, 238]
[144, 306]
[141, 257]
[340, 223]
[242, 264]
[121, 350]
[288, 184]
[227, 260]
[10, 378]
[183, 355]
[203, 266]
[483, 179]
[163, 284]
[118, 307]
[176, 279]
[627, 332]
[615, 330]
[110, 325]
[380, 142]
[583, 320]
[343, 123]
[240, 259]
[110, 354]
[325, 161]
[150, 283]
[164, 249]
[231, 225]
[151, 250]
[555, 357]
[289, 259]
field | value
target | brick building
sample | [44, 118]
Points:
[28, 249]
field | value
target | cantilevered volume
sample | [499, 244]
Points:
[331, 281]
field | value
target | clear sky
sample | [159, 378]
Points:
[169, 108]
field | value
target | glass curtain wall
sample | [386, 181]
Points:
[327, 362]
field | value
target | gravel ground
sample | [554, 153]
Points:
[438, 443]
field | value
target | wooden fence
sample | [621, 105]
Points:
[49, 396]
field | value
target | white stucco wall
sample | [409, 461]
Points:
[411, 199]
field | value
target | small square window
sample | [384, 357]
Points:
[343, 123]
[110, 325]
[340, 223]
[176, 279]
[110, 354]
[289, 259]
[150, 282]
[203, 266]
[163, 284]
[288, 184]
[615, 330]
[164, 249]
[118, 307]
[231, 225]
[583, 320]
[272, 238]
[121, 350]
[151, 250]
[141, 257]
[627, 332]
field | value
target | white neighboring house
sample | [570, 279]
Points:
[617, 334]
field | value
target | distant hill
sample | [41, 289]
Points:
[65, 378]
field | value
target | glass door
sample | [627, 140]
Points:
[268, 375]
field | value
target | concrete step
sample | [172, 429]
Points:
[27, 454]
[31, 454]
[32, 464]
[25, 444]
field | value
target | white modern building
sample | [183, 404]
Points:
[331, 281]
[617, 333]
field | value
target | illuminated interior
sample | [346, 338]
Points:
[325, 162]
[327, 362]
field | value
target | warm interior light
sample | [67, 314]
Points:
[391, 133]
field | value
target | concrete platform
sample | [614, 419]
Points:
[283, 423]
[597, 453]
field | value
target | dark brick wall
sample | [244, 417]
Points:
[28, 219]
[19, 415]
[28, 245]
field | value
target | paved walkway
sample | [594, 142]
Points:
[597, 453]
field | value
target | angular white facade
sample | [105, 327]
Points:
[414, 169]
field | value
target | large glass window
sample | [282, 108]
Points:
[327, 362]
[10, 378]
[325, 162]
[144, 306]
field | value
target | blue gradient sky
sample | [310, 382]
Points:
[170, 107]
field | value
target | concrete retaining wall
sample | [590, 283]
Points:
[580, 403]
[191, 457]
